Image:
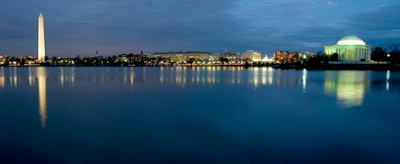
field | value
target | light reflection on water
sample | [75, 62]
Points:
[349, 86]
[304, 79]
[13, 77]
[2, 78]
[387, 80]
[131, 76]
[93, 111]
[31, 77]
[67, 76]
[210, 75]
[41, 75]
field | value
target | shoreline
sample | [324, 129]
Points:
[377, 67]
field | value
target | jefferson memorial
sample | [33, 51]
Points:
[350, 49]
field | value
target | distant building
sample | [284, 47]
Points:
[231, 58]
[183, 58]
[266, 59]
[2, 60]
[252, 55]
[350, 49]
[286, 57]
[306, 55]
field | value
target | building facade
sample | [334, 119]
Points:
[350, 49]
[286, 57]
[252, 55]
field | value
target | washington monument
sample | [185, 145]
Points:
[41, 47]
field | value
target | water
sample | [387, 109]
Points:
[198, 115]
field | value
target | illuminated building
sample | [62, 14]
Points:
[350, 49]
[265, 59]
[183, 57]
[41, 44]
[306, 55]
[252, 55]
[286, 57]
[2, 60]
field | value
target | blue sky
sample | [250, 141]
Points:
[76, 27]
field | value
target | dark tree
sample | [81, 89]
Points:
[224, 60]
[379, 55]
[325, 58]
[395, 56]
[335, 57]
[314, 61]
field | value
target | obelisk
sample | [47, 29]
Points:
[41, 47]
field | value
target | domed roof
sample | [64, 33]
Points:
[351, 40]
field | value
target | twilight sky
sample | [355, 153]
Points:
[76, 27]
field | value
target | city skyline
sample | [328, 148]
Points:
[82, 28]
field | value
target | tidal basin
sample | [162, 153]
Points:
[198, 115]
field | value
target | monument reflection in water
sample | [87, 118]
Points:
[41, 75]
[152, 114]
[349, 86]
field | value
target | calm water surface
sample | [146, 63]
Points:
[198, 115]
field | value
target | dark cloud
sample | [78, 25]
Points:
[383, 18]
[152, 26]
[81, 27]
[380, 27]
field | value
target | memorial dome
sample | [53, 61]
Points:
[351, 40]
